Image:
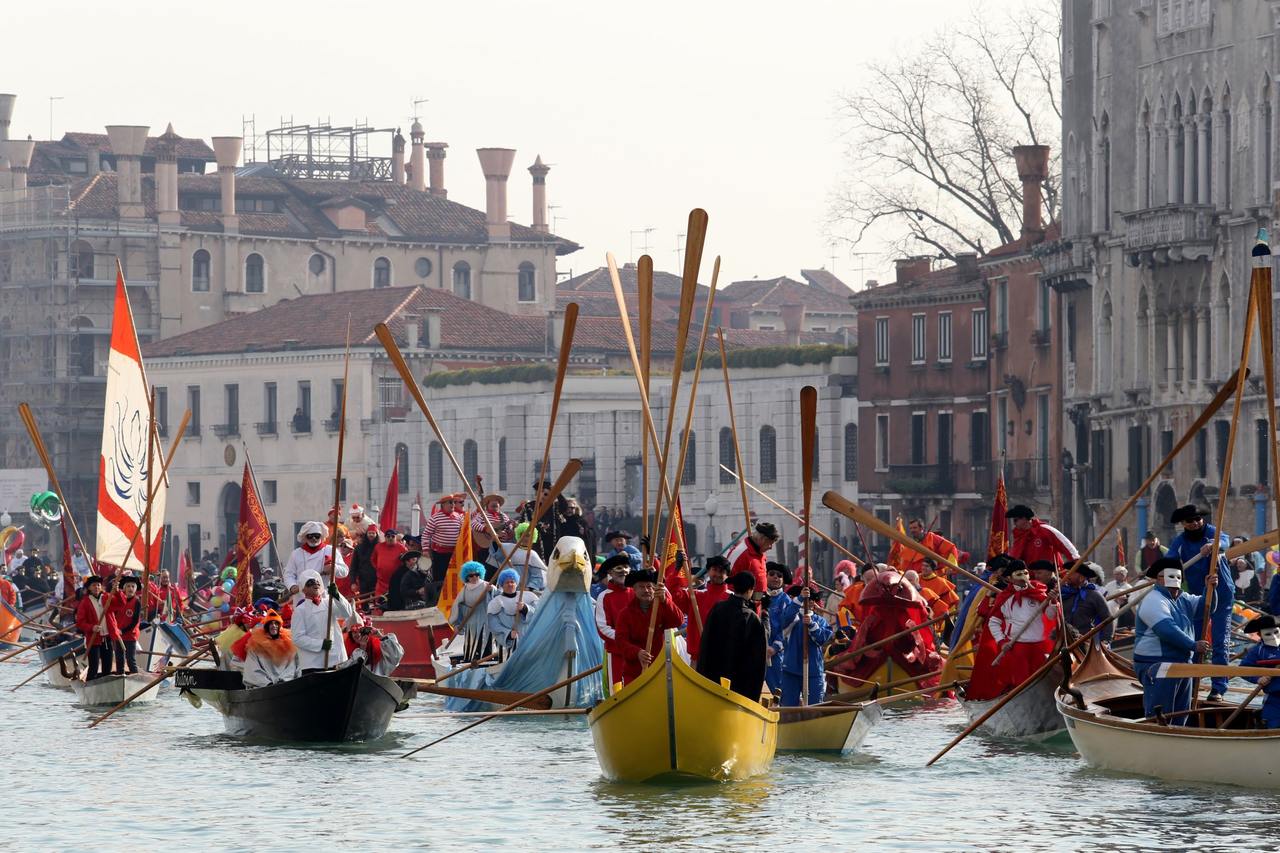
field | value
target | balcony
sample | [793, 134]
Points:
[331, 424]
[1160, 236]
[1026, 476]
[1066, 265]
[268, 428]
[193, 430]
[921, 479]
[226, 430]
[300, 425]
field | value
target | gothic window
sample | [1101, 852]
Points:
[690, 474]
[470, 459]
[382, 273]
[768, 454]
[527, 290]
[402, 468]
[727, 455]
[462, 279]
[200, 271]
[850, 452]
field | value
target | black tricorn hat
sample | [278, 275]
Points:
[642, 576]
[1020, 511]
[409, 555]
[616, 560]
[1190, 512]
[1157, 566]
[1087, 570]
[780, 569]
[1260, 623]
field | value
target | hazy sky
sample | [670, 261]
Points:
[644, 110]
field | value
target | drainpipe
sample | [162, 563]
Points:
[1260, 511]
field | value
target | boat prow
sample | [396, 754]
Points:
[110, 690]
[672, 723]
[1029, 716]
[827, 727]
[420, 633]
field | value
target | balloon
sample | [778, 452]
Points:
[216, 600]
[1273, 557]
[228, 585]
[225, 607]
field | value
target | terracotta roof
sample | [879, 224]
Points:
[188, 149]
[775, 292]
[949, 278]
[1020, 245]
[601, 305]
[826, 281]
[598, 281]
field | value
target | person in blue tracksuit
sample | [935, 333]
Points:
[1166, 626]
[1267, 649]
[778, 578]
[787, 634]
[1192, 549]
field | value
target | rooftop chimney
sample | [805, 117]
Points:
[18, 153]
[496, 163]
[909, 269]
[417, 163]
[127, 143]
[167, 177]
[6, 113]
[435, 155]
[793, 321]
[227, 151]
[967, 262]
[397, 157]
[539, 171]
[1033, 169]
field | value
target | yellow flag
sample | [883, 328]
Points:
[462, 552]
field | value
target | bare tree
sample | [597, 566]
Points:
[930, 135]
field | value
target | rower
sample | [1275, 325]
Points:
[749, 554]
[1267, 649]
[633, 623]
[314, 631]
[1166, 627]
[790, 628]
[733, 641]
[1034, 540]
[312, 554]
[126, 608]
[1192, 548]
[778, 579]
[619, 543]
[1082, 604]
[1020, 623]
[502, 611]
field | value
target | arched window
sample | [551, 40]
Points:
[81, 260]
[502, 463]
[527, 289]
[690, 474]
[462, 279]
[470, 459]
[435, 468]
[82, 357]
[850, 452]
[402, 468]
[255, 274]
[727, 456]
[382, 273]
[768, 455]
[200, 271]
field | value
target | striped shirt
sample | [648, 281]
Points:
[440, 533]
[499, 520]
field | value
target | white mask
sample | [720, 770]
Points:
[1171, 578]
[1270, 636]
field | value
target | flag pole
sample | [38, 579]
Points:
[146, 522]
[253, 478]
[337, 494]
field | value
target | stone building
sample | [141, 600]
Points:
[1169, 151]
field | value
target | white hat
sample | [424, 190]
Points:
[309, 575]
[356, 509]
[311, 527]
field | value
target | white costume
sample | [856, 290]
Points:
[473, 626]
[260, 670]
[502, 612]
[537, 579]
[302, 560]
[1014, 614]
[392, 654]
[308, 627]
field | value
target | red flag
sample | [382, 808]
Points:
[390, 506]
[1120, 550]
[998, 543]
[252, 535]
[184, 577]
[69, 580]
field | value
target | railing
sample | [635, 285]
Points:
[226, 430]
[1167, 227]
[300, 425]
[268, 428]
[193, 430]
[1026, 475]
[921, 479]
[331, 424]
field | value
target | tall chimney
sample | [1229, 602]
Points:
[909, 269]
[167, 177]
[496, 164]
[417, 162]
[6, 113]
[539, 171]
[435, 155]
[227, 151]
[18, 152]
[127, 143]
[793, 321]
[1033, 169]
[397, 157]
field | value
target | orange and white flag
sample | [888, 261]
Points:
[122, 470]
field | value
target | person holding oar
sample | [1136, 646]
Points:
[1166, 627]
[1082, 603]
[1266, 651]
[1021, 624]
[1192, 549]
[778, 579]
[792, 625]
[632, 630]
[466, 616]
[311, 634]
[506, 607]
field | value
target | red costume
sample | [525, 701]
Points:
[609, 605]
[890, 605]
[1028, 652]
[983, 680]
[89, 617]
[126, 613]
[632, 628]
[939, 544]
[373, 650]
[1041, 541]
[706, 598]
[386, 559]
[746, 556]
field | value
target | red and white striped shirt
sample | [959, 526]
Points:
[499, 520]
[441, 531]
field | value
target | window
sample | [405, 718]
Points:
[1071, 333]
[81, 260]
[316, 264]
[918, 437]
[255, 205]
[193, 403]
[255, 274]
[470, 459]
[882, 442]
[689, 475]
[1002, 306]
[423, 267]
[270, 396]
[304, 399]
[850, 452]
[435, 468]
[727, 456]
[1202, 453]
[1043, 305]
[200, 271]
[944, 438]
[1221, 437]
[382, 273]
[193, 541]
[944, 336]
[979, 437]
[1003, 424]
[162, 410]
[402, 468]
[462, 279]
[979, 334]
[232, 397]
[502, 463]
[270, 491]
[193, 494]
[337, 393]
[342, 488]
[526, 288]
[917, 339]
[768, 455]
[882, 341]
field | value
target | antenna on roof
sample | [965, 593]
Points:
[416, 103]
[679, 251]
[249, 130]
[555, 217]
[833, 256]
[646, 231]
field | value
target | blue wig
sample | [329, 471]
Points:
[508, 574]
[471, 567]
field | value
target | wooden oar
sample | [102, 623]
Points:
[644, 299]
[20, 649]
[1211, 670]
[808, 430]
[1136, 588]
[493, 697]
[898, 697]
[838, 502]
[733, 427]
[856, 653]
[337, 497]
[50, 665]
[153, 682]
[746, 484]
[451, 673]
[519, 712]
[571, 469]
[546, 691]
[1242, 706]
[1258, 543]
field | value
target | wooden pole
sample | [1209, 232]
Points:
[1266, 340]
[808, 430]
[816, 531]
[152, 683]
[644, 296]
[151, 492]
[337, 496]
[1238, 711]
[733, 429]
[29, 421]
[571, 469]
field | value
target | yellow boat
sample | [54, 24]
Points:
[671, 723]
[826, 727]
[889, 677]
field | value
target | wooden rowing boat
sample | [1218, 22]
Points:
[673, 723]
[1030, 716]
[888, 679]
[826, 727]
[110, 690]
[1109, 731]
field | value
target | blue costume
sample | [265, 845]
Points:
[1273, 595]
[1224, 594]
[633, 554]
[1166, 628]
[1271, 707]
[773, 669]
[787, 636]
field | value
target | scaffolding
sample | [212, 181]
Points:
[323, 151]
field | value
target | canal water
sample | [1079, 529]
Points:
[165, 776]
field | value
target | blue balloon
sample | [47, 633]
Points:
[228, 585]
[226, 607]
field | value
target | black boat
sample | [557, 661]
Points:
[349, 703]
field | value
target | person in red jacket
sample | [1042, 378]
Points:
[125, 607]
[633, 623]
[748, 555]
[1034, 540]
[99, 629]
[609, 606]
[386, 559]
[716, 591]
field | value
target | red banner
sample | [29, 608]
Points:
[390, 506]
[998, 542]
[252, 535]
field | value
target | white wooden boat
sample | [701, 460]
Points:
[1030, 716]
[160, 644]
[1107, 726]
[111, 690]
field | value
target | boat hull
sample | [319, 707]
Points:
[111, 690]
[420, 633]
[1031, 715]
[671, 723]
[346, 704]
[888, 672]
[54, 675]
[815, 730]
